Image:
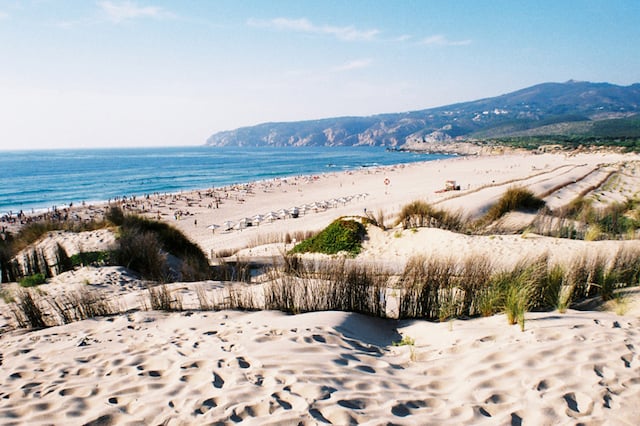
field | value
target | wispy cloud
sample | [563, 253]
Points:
[440, 40]
[403, 37]
[127, 10]
[353, 65]
[303, 25]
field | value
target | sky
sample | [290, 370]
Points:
[134, 73]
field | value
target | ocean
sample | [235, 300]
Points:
[38, 180]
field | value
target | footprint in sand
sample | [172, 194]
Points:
[578, 404]
[242, 362]
[405, 409]
[218, 382]
[205, 406]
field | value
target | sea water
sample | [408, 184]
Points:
[38, 180]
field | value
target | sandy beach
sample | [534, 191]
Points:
[266, 367]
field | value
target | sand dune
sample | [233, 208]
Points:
[228, 367]
[323, 368]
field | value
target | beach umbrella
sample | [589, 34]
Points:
[213, 227]
[283, 213]
[228, 225]
[258, 218]
[271, 216]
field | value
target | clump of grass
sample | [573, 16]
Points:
[405, 341]
[517, 301]
[142, 252]
[558, 292]
[593, 232]
[204, 302]
[421, 214]
[514, 199]
[33, 280]
[161, 299]
[622, 303]
[144, 242]
[377, 219]
[411, 343]
[239, 270]
[581, 220]
[327, 285]
[78, 306]
[93, 258]
[340, 236]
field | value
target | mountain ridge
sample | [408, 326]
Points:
[564, 108]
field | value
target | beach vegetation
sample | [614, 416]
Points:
[377, 219]
[405, 341]
[514, 199]
[418, 214]
[580, 219]
[342, 235]
[621, 303]
[340, 285]
[91, 258]
[145, 245]
[163, 299]
[33, 280]
[81, 305]
[238, 270]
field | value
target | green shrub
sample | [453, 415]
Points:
[94, 258]
[142, 252]
[33, 280]
[340, 236]
[164, 238]
[115, 215]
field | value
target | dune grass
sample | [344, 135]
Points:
[514, 199]
[340, 236]
[419, 214]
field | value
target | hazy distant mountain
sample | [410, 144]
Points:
[545, 109]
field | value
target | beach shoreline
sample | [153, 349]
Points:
[265, 367]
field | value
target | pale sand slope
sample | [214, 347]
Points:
[482, 180]
[270, 368]
[395, 248]
[320, 368]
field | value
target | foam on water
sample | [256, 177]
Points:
[41, 179]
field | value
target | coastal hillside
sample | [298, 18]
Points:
[583, 109]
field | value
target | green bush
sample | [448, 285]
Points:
[167, 239]
[95, 258]
[33, 280]
[142, 252]
[340, 236]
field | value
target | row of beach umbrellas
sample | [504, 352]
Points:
[292, 212]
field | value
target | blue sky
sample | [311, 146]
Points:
[83, 73]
